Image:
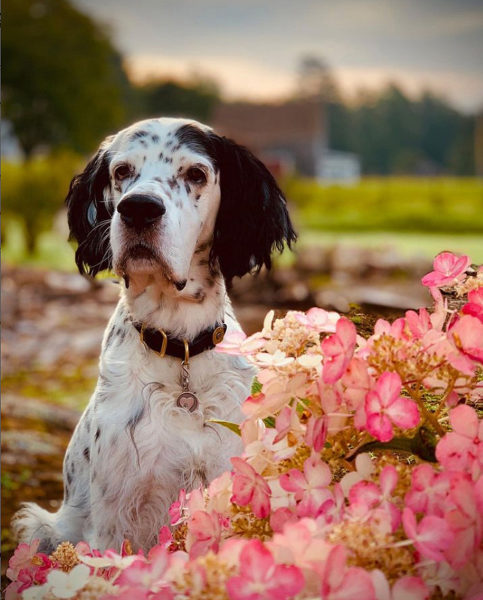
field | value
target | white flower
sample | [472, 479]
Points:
[110, 559]
[267, 324]
[66, 585]
[309, 361]
[364, 469]
[36, 592]
[278, 359]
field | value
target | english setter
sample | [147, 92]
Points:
[176, 211]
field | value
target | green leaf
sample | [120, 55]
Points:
[256, 387]
[232, 426]
[269, 422]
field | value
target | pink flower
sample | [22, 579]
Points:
[318, 319]
[204, 533]
[431, 536]
[342, 583]
[250, 489]
[448, 270]
[474, 307]
[418, 323]
[467, 336]
[428, 491]
[148, 575]
[261, 579]
[22, 558]
[465, 522]
[337, 350]
[176, 509]
[231, 342]
[406, 588]
[287, 421]
[384, 406]
[316, 432]
[365, 497]
[462, 448]
[310, 487]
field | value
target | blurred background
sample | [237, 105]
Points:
[368, 112]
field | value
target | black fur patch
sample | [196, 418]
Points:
[137, 135]
[84, 199]
[87, 454]
[252, 219]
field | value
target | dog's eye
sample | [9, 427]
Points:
[195, 175]
[122, 172]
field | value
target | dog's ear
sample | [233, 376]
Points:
[252, 219]
[89, 214]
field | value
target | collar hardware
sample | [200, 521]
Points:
[163, 344]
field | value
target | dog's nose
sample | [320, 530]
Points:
[140, 210]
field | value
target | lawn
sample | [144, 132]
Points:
[423, 205]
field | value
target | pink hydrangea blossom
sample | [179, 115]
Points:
[316, 432]
[431, 536]
[261, 578]
[428, 491]
[368, 499]
[310, 487]
[22, 558]
[467, 336]
[465, 521]
[384, 407]
[448, 270]
[418, 323]
[337, 350]
[406, 588]
[474, 306]
[204, 533]
[250, 489]
[462, 448]
[148, 575]
[340, 582]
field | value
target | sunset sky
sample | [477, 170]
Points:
[252, 48]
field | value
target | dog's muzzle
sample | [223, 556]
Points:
[141, 210]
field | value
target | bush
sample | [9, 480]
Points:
[34, 192]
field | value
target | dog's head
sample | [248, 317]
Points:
[160, 190]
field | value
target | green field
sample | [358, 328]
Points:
[438, 205]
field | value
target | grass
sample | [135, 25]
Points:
[431, 205]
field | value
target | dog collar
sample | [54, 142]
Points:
[163, 344]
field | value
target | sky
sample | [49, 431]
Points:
[252, 48]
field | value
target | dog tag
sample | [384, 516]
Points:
[186, 399]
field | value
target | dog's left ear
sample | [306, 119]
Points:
[89, 215]
[252, 219]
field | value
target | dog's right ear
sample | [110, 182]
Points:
[89, 214]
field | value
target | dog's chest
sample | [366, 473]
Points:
[138, 396]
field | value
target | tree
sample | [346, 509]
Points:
[194, 100]
[63, 81]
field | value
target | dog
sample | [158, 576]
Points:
[176, 211]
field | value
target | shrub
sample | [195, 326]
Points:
[34, 191]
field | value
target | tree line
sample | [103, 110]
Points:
[65, 86]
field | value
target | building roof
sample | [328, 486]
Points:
[260, 126]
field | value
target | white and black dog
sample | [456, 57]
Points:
[176, 211]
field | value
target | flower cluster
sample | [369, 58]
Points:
[361, 477]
